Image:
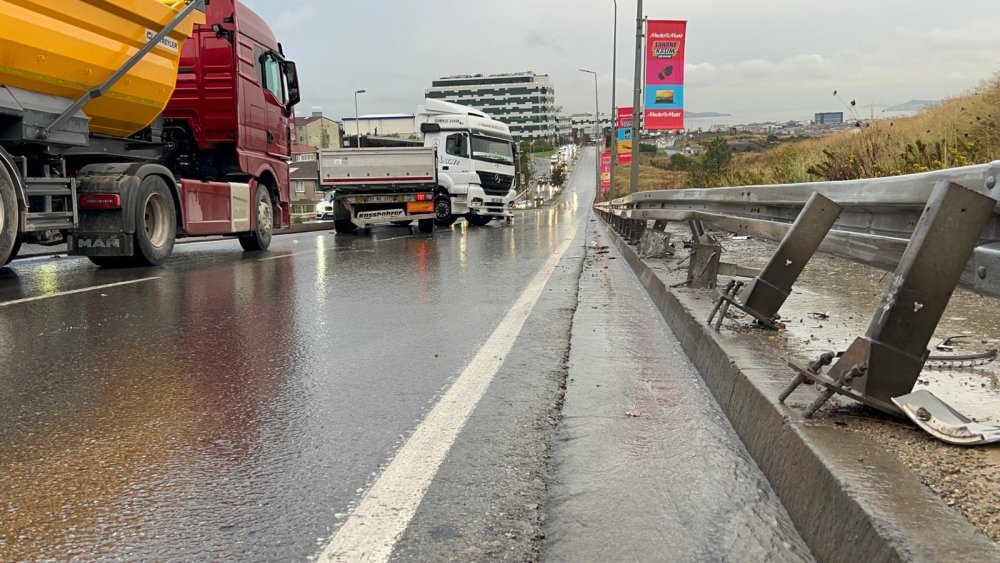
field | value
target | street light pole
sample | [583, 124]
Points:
[357, 121]
[597, 128]
[637, 103]
[614, 105]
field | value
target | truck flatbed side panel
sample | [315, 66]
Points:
[396, 167]
[67, 47]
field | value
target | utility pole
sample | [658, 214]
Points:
[614, 105]
[637, 102]
[357, 121]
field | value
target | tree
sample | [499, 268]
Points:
[680, 162]
[526, 170]
[717, 156]
[558, 176]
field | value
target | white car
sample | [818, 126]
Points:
[324, 209]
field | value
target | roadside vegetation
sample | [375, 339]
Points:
[957, 132]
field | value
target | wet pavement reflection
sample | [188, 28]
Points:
[235, 405]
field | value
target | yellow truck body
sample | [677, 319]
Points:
[66, 47]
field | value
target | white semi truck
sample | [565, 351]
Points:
[476, 163]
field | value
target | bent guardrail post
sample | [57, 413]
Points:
[886, 362]
[706, 256]
[764, 296]
[655, 242]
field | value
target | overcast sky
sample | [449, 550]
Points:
[754, 59]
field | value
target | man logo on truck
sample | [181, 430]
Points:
[98, 243]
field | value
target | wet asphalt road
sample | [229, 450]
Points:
[235, 405]
[238, 406]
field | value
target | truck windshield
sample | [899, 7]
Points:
[492, 150]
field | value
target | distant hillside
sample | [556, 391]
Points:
[704, 114]
[914, 105]
[953, 132]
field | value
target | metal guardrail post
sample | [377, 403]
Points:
[886, 362]
[703, 268]
[763, 297]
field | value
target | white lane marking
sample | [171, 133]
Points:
[373, 528]
[72, 291]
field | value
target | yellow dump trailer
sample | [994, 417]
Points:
[66, 47]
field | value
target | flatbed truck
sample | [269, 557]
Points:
[376, 186]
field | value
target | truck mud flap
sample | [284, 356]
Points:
[938, 419]
[100, 244]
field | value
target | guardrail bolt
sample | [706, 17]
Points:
[981, 272]
[991, 182]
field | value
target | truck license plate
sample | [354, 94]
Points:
[383, 198]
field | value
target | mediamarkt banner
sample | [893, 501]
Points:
[665, 45]
[605, 170]
[624, 135]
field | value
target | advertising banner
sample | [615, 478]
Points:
[624, 146]
[624, 118]
[665, 47]
[605, 170]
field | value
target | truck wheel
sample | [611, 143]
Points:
[260, 237]
[156, 223]
[442, 211]
[478, 220]
[8, 217]
[426, 226]
[13, 252]
[344, 226]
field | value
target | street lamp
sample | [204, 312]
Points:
[614, 105]
[597, 128]
[357, 121]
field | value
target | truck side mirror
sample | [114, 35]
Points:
[292, 79]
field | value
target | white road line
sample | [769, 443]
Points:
[373, 528]
[72, 291]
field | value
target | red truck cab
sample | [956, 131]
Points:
[230, 118]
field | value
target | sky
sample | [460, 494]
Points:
[762, 59]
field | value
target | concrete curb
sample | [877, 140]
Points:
[35, 250]
[849, 498]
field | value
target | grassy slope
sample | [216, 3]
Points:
[960, 131]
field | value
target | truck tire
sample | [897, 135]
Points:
[13, 252]
[478, 220]
[425, 226]
[442, 210]
[155, 223]
[8, 218]
[260, 237]
[344, 226]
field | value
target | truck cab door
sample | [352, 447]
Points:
[276, 103]
[456, 159]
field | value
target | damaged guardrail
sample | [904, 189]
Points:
[935, 230]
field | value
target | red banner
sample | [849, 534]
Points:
[605, 170]
[665, 52]
[625, 118]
